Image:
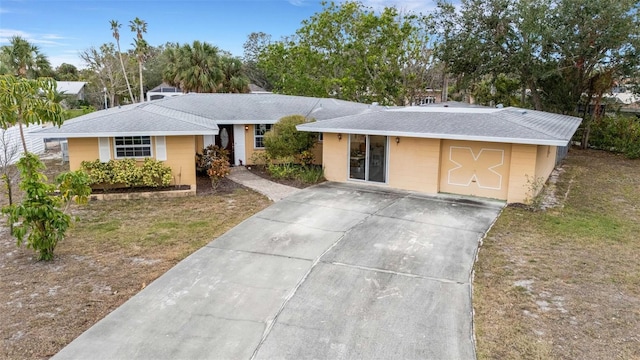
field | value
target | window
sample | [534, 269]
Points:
[258, 134]
[427, 100]
[133, 146]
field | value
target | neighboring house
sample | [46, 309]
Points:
[74, 89]
[505, 154]
[496, 153]
[11, 145]
[163, 91]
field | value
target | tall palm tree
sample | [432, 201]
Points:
[194, 68]
[115, 26]
[139, 27]
[24, 59]
[235, 81]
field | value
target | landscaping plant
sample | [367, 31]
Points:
[40, 219]
[288, 151]
[127, 173]
[214, 160]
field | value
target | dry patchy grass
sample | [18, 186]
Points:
[113, 251]
[565, 283]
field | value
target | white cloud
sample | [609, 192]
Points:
[6, 34]
[52, 37]
[37, 39]
[297, 2]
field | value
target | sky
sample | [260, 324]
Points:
[63, 28]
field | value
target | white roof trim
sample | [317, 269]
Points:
[246, 122]
[121, 133]
[442, 109]
[525, 141]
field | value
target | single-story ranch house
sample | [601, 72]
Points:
[488, 152]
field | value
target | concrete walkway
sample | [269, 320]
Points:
[270, 189]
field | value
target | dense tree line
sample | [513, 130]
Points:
[555, 55]
[563, 55]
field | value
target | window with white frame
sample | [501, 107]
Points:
[258, 134]
[132, 146]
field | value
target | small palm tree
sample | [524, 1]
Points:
[115, 26]
[139, 27]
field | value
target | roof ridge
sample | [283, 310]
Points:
[149, 108]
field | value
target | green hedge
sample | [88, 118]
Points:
[617, 133]
[127, 173]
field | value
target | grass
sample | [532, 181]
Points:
[169, 228]
[113, 251]
[565, 283]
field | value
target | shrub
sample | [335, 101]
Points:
[285, 170]
[40, 220]
[127, 173]
[285, 140]
[155, 173]
[214, 160]
[306, 157]
[617, 133]
[310, 174]
[260, 158]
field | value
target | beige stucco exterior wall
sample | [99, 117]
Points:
[334, 155]
[82, 149]
[181, 159]
[249, 145]
[199, 144]
[475, 168]
[545, 161]
[523, 171]
[414, 164]
[180, 155]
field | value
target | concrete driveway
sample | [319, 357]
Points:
[336, 271]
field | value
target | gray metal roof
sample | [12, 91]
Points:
[508, 125]
[70, 87]
[199, 114]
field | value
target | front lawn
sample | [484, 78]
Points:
[115, 250]
[565, 283]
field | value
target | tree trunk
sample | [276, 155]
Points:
[124, 72]
[535, 95]
[584, 142]
[24, 142]
[445, 85]
[141, 87]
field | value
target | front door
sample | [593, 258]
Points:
[224, 139]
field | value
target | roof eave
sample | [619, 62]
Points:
[524, 141]
[118, 133]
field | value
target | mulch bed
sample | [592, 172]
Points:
[225, 186]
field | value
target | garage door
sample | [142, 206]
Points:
[475, 168]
